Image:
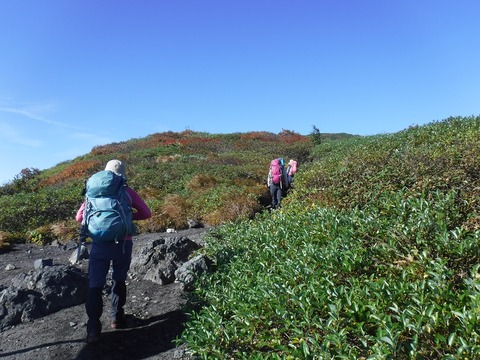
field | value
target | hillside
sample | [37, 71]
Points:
[373, 256]
[210, 178]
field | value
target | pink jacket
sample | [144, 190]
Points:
[143, 212]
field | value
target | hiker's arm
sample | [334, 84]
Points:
[79, 216]
[143, 211]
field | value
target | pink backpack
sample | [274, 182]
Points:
[293, 167]
[276, 170]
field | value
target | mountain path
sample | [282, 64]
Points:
[154, 316]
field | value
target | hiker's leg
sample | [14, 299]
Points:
[272, 194]
[121, 265]
[94, 309]
[118, 300]
[98, 267]
[276, 196]
[279, 196]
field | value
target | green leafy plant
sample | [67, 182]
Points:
[373, 256]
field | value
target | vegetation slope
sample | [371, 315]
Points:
[374, 255]
[209, 178]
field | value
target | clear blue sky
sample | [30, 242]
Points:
[76, 74]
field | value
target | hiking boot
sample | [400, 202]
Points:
[118, 324]
[93, 338]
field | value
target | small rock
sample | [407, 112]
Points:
[41, 263]
[10, 267]
[79, 254]
[55, 243]
[192, 224]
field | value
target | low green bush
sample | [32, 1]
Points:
[340, 284]
[373, 256]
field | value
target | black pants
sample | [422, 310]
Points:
[102, 256]
[276, 194]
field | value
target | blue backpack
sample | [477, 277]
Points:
[108, 214]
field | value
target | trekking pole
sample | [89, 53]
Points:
[82, 238]
[82, 241]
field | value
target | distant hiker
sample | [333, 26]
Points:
[290, 172]
[276, 181]
[106, 216]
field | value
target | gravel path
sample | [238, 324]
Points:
[155, 317]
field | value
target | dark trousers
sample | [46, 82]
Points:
[276, 194]
[101, 257]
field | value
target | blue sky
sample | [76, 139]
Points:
[76, 74]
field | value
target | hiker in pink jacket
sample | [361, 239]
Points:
[119, 255]
[142, 213]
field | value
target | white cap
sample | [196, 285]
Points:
[116, 166]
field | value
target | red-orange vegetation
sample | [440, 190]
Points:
[113, 148]
[242, 207]
[259, 135]
[77, 170]
[174, 212]
[160, 139]
[291, 136]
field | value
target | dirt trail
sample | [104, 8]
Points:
[155, 318]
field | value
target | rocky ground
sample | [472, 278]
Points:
[155, 317]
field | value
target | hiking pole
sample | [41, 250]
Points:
[82, 242]
[82, 238]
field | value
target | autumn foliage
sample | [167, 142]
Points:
[210, 178]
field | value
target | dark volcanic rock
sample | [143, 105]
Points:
[42, 311]
[41, 292]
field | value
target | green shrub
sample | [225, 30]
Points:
[373, 256]
[340, 284]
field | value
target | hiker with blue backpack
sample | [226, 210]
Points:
[107, 218]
